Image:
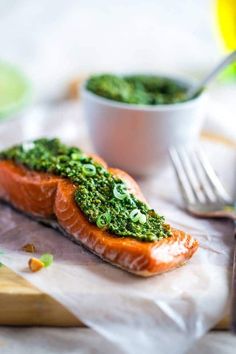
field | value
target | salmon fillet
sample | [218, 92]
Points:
[51, 197]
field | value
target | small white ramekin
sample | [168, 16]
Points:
[137, 138]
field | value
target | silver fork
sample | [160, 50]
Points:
[205, 196]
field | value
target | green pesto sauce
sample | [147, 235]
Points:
[102, 197]
[138, 89]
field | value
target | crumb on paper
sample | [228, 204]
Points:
[29, 247]
[35, 264]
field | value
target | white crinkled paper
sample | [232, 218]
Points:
[162, 314]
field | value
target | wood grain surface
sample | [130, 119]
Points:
[23, 304]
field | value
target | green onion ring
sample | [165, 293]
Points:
[103, 220]
[135, 215]
[142, 218]
[120, 191]
[89, 169]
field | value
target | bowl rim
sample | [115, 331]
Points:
[142, 107]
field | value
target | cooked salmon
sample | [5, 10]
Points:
[48, 196]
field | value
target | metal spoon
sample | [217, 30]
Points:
[193, 91]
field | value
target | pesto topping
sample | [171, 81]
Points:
[138, 89]
[103, 198]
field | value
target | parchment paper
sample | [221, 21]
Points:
[162, 314]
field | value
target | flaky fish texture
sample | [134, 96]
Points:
[50, 197]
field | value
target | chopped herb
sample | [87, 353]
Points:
[46, 259]
[102, 197]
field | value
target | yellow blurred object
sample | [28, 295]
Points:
[226, 20]
[226, 14]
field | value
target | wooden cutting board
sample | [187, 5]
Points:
[23, 304]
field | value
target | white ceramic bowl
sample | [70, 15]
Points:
[137, 138]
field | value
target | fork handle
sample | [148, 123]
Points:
[233, 289]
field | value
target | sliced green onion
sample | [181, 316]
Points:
[142, 218]
[75, 156]
[134, 215]
[120, 191]
[103, 220]
[46, 259]
[137, 216]
[89, 170]
[28, 146]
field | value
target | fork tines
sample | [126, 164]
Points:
[197, 179]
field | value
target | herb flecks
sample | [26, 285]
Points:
[102, 197]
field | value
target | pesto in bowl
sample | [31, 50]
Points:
[138, 89]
